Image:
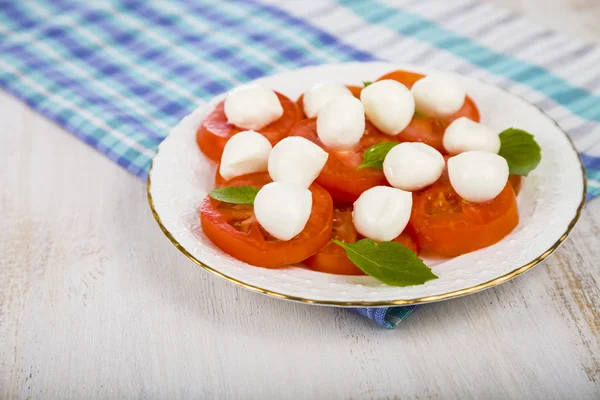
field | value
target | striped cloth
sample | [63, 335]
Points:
[118, 75]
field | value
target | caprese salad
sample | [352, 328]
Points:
[360, 179]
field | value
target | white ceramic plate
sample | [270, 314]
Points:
[550, 201]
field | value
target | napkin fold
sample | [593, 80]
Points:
[118, 75]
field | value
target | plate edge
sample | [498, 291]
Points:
[403, 302]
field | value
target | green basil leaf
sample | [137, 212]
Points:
[235, 194]
[521, 151]
[374, 156]
[420, 116]
[366, 83]
[390, 262]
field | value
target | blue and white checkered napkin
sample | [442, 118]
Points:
[118, 75]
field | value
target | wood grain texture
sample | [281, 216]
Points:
[96, 303]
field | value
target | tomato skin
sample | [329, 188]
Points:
[300, 104]
[215, 131]
[332, 258]
[406, 78]
[429, 130]
[341, 176]
[515, 182]
[251, 244]
[448, 226]
[219, 180]
[355, 90]
[407, 239]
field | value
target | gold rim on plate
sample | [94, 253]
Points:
[427, 299]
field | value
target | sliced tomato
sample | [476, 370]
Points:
[341, 176]
[215, 131]
[354, 89]
[219, 180]
[447, 225]
[515, 181]
[234, 228]
[333, 259]
[407, 239]
[406, 78]
[429, 130]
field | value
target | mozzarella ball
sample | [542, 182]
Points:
[296, 160]
[438, 95]
[283, 209]
[478, 176]
[389, 105]
[252, 106]
[341, 123]
[466, 135]
[244, 153]
[412, 166]
[321, 94]
[381, 213]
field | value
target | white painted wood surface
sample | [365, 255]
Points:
[96, 303]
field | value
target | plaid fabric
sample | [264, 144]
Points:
[118, 75]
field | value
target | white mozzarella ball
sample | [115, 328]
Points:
[244, 153]
[478, 176]
[381, 213]
[252, 106]
[466, 135]
[321, 94]
[283, 209]
[341, 123]
[412, 166]
[389, 105]
[296, 160]
[438, 95]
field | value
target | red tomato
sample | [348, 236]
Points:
[333, 259]
[234, 228]
[215, 131]
[429, 130]
[406, 78]
[340, 175]
[447, 225]
[407, 239]
[219, 180]
[354, 89]
[515, 182]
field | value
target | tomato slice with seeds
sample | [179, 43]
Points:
[354, 89]
[341, 176]
[332, 258]
[234, 228]
[446, 225]
[215, 131]
[429, 130]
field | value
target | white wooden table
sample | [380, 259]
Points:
[96, 303]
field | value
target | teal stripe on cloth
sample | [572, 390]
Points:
[577, 100]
